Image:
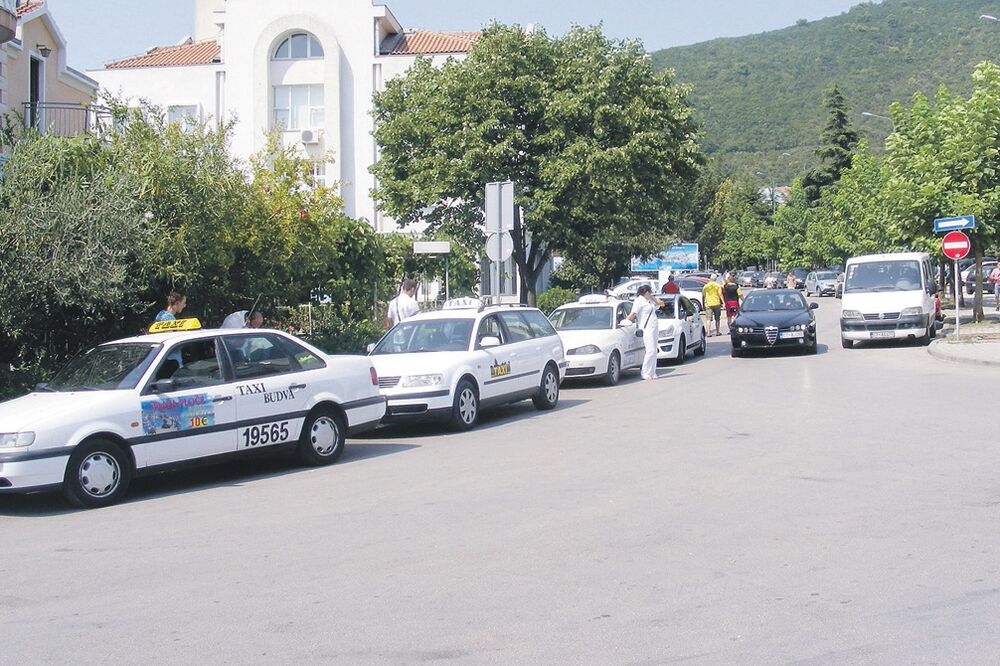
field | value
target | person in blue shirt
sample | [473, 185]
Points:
[176, 302]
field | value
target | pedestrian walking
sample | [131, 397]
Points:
[647, 327]
[711, 298]
[994, 279]
[732, 296]
[404, 305]
[176, 302]
[791, 280]
[671, 287]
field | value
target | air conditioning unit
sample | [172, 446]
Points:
[309, 137]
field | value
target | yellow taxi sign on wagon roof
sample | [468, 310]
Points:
[175, 325]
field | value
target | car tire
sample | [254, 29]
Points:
[847, 344]
[465, 410]
[808, 293]
[614, 372]
[548, 391]
[682, 351]
[323, 438]
[98, 474]
[695, 302]
[703, 347]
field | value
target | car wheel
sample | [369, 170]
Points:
[98, 474]
[322, 439]
[681, 351]
[703, 347]
[847, 344]
[548, 393]
[808, 293]
[465, 411]
[614, 370]
[696, 303]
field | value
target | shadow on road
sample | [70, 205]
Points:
[784, 352]
[232, 473]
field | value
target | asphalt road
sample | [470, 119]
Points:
[840, 508]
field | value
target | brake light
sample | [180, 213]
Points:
[374, 376]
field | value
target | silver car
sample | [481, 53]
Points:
[821, 283]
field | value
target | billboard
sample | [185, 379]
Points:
[683, 256]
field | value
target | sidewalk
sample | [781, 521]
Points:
[976, 344]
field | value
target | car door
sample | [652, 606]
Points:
[495, 362]
[692, 322]
[271, 389]
[195, 416]
[631, 346]
[527, 357]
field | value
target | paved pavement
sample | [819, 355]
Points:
[824, 509]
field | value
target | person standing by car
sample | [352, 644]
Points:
[647, 327]
[403, 306]
[791, 281]
[732, 296]
[711, 298]
[994, 279]
[176, 302]
[671, 287]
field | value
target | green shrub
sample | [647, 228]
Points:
[553, 298]
[328, 328]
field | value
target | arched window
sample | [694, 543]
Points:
[299, 46]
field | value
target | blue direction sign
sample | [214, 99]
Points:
[945, 224]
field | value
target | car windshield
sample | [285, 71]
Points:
[826, 276]
[429, 335]
[583, 319]
[876, 276]
[766, 301]
[105, 368]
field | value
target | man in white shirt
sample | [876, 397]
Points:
[403, 306]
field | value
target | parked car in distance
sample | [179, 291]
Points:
[800, 277]
[775, 280]
[774, 319]
[751, 279]
[821, 283]
[970, 279]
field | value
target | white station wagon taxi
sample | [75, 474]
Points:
[156, 401]
[598, 344]
[449, 364]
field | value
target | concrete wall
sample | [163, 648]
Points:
[166, 86]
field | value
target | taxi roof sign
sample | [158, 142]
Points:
[175, 325]
[594, 299]
[462, 304]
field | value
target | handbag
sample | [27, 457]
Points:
[639, 332]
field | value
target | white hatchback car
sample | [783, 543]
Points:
[154, 402]
[596, 342]
[682, 330]
[449, 364]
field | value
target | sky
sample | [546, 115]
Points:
[99, 31]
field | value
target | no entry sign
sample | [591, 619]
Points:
[956, 245]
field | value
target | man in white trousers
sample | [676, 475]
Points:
[644, 315]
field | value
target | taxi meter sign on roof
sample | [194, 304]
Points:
[175, 325]
[956, 245]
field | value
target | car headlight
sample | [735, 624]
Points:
[417, 381]
[852, 314]
[668, 331]
[911, 312]
[16, 440]
[584, 350]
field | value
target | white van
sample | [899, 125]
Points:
[887, 297]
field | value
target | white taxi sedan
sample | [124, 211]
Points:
[154, 402]
[682, 330]
[596, 342]
[449, 364]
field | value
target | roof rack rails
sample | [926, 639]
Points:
[486, 306]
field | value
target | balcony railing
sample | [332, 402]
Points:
[66, 119]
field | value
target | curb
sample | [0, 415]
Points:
[937, 349]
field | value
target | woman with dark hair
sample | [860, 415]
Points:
[176, 302]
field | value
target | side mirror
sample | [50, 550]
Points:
[814, 306]
[371, 347]
[489, 342]
[163, 386]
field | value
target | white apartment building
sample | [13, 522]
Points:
[306, 67]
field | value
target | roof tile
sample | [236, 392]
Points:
[426, 42]
[195, 53]
[29, 7]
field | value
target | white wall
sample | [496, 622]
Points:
[164, 86]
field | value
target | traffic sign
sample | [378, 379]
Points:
[956, 245]
[943, 224]
[499, 207]
[499, 247]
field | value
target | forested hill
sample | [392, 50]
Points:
[761, 95]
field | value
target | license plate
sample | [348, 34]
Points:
[883, 334]
[793, 335]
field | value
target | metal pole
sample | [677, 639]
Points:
[447, 291]
[958, 293]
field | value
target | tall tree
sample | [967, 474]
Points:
[839, 140]
[598, 144]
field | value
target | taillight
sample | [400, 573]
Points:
[374, 376]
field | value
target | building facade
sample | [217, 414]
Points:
[36, 82]
[307, 69]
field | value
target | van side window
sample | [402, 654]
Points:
[540, 326]
[517, 326]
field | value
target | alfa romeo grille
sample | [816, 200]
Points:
[771, 333]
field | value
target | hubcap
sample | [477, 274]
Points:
[551, 387]
[324, 435]
[467, 406]
[99, 474]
